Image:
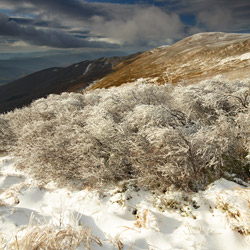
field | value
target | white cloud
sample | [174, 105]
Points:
[19, 43]
[141, 24]
[103, 39]
[145, 26]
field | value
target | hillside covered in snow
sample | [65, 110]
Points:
[193, 59]
[140, 166]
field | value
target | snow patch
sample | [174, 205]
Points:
[245, 56]
[87, 69]
[163, 47]
[159, 48]
[129, 217]
[230, 59]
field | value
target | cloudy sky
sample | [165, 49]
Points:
[36, 25]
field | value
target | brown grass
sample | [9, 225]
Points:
[50, 237]
[189, 61]
[237, 216]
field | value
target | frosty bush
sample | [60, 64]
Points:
[6, 135]
[161, 136]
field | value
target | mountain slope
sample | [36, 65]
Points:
[56, 80]
[192, 59]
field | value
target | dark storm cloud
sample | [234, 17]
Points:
[25, 21]
[43, 37]
[207, 12]
[76, 9]
[143, 23]
[36, 22]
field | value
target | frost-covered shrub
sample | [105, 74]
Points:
[161, 136]
[7, 137]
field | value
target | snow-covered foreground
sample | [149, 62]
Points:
[121, 218]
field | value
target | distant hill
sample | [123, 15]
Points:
[55, 80]
[190, 60]
[16, 65]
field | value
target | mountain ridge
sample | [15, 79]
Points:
[55, 80]
[190, 60]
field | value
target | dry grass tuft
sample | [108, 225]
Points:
[146, 219]
[2, 241]
[50, 237]
[3, 204]
[116, 242]
[238, 216]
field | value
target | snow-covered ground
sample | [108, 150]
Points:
[124, 217]
[232, 59]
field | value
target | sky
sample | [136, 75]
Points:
[124, 25]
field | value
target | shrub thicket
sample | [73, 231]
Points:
[161, 136]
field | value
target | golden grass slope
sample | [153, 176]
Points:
[190, 60]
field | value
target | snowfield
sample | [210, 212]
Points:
[126, 217]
